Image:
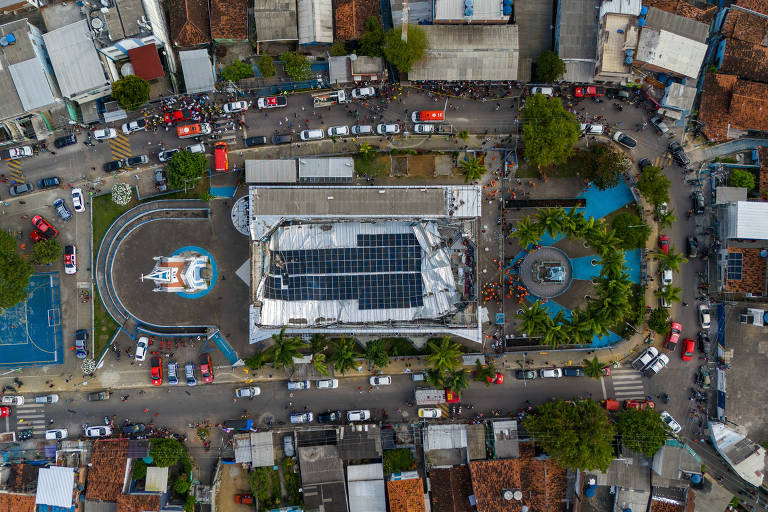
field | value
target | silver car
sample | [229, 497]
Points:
[189, 373]
[249, 392]
[299, 384]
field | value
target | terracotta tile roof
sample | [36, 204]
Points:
[683, 8]
[745, 55]
[663, 506]
[138, 503]
[23, 478]
[752, 273]
[763, 181]
[146, 62]
[451, 489]
[229, 19]
[351, 15]
[715, 103]
[17, 503]
[189, 21]
[107, 471]
[406, 495]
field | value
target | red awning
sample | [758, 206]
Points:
[146, 62]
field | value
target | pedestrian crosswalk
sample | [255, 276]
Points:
[444, 408]
[14, 170]
[31, 415]
[662, 160]
[120, 146]
[627, 384]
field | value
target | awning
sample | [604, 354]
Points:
[146, 62]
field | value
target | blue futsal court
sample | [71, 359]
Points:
[30, 332]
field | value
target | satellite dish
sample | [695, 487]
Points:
[97, 24]
[105, 10]
[518, 495]
[508, 495]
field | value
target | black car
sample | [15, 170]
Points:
[53, 181]
[65, 141]
[329, 417]
[525, 374]
[693, 246]
[573, 371]
[114, 165]
[642, 164]
[678, 153]
[136, 428]
[617, 93]
[704, 344]
[255, 141]
[98, 396]
[697, 198]
[281, 139]
[22, 188]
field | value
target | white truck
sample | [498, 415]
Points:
[429, 396]
[15, 153]
[754, 316]
[326, 99]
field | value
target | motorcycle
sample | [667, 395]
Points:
[666, 398]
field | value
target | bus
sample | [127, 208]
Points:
[220, 157]
[193, 130]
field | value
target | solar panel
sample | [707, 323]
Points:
[735, 264]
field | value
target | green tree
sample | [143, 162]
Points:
[605, 241]
[658, 320]
[527, 232]
[285, 349]
[456, 381]
[344, 354]
[534, 319]
[483, 373]
[549, 131]
[256, 361]
[189, 503]
[185, 169]
[576, 434]
[46, 252]
[237, 70]
[7, 243]
[671, 259]
[139, 469]
[666, 219]
[435, 377]
[741, 178]
[631, 229]
[165, 451]
[372, 41]
[669, 293]
[130, 92]
[296, 65]
[584, 326]
[403, 55]
[400, 459]
[318, 343]
[267, 66]
[551, 219]
[182, 484]
[654, 185]
[571, 221]
[463, 135]
[549, 67]
[593, 368]
[603, 166]
[473, 169]
[319, 363]
[375, 353]
[444, 356]
[611, 287]
[558, 333]
[338, 48]
[366, 151]
[642, 430]
[14, 279]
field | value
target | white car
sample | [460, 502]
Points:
[134, 126]
[704, 317]
[387, 129]
[666, 276]
[141, 348]
[380, 380]
[299, 384]
[56, 434]
[47, 399]
[430, 412]
[315, 134]
[656, 366]
[338, 131]
[361, 415]
[97, 431]
[550, 373]
[70, 259]
[235, 106]
[645, 359]
[189, 374]
[363, 92]
[13, 400]
[77, 200]
[670, 422]
[546, 91]
[302, 417]
[20, 152]
[327, 384]
[105, 134]
[423, 128]
[248, 392]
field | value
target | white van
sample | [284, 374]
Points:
[312, 134]
[362, 129]
[546, 91]
[196, 148]
[591, 129]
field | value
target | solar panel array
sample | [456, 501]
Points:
[382, 272]
[735, 264]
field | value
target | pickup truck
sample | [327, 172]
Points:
[272, 102]
[15, 153]
[326, 99]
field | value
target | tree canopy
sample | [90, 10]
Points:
[344, 354]
[444, 356]
[284, 349]
[576, 434]
[7, 242]
[236, 70]
[372, 41]
[654, 185]
[404, 54]
[473, 169]
[549, 131]
[185, 169]
[603, 166]
[338, 48]
[642, 430]
[549, 67]
[296, 66]
[657, 320]
[267, 66]
[165, 451]
[130, 92]
[741, 178]
[14, 278]
[375, 353]
[631, 229]
[46, 252]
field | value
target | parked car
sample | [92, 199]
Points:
[639, 404]
[363, 92]
[189, 374]
[255, 141]
[285, 138]
[327, 384]
[550, 373]
[12, 400]
[5, 411]
[78, 202]
[51, 398]
[55, 434]
[498, 378]
[660, 125]
[423, 128]
[388, 129]
[329, 417]
[288, 447]
[134, 126]
[272, 102]
[206, 368]
[587, 91]
[656, 365]
[44, 227]
[70, 259]
[430, 412]
[673, 426]
[705, 320]
[689, 347]
[362, 129]
[359, 415]
[97, 431]
[546, 91]
[161, 183]
[135, 161]
[643, 163]
[173, 373]
[156, 371]
[678, 153]
[645, 358]
[177, 116]
[380, 380]
[114, 165]
[703, 378]
[81, 343]
[664, 244]
[61, 209]
[298, 385]
[697, 200]
[338, 131]
[98, 396]
[315, 134]
[49, 182]
[617, 93]
[704, 344]
[244, 499]
[673, 336]
[666, 276]
[247, 392]
[624, 139]
[693, 246]
[302, 417]
[573, 371]
[141, 348]
[525, 374]
[235, 106]
[166, 154]
[135, 428]
[105, 134]
[67, 140]
[21, 188]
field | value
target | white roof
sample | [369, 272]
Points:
[54, 486]
[74, 59]
[631, 7]
[262, 450]
[366, 488]
[157, 479]
[746, 219]
[669, 51]
[746, 457]
[242, 443]
[270, 171]
[318, 168]
[365, 472]
[445, 437]
[31, 84]
[198, 71]
[482, 10]
[315, 21]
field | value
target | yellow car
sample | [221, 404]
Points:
[430, 412]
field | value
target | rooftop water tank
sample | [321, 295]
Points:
[696, 478]
[641, 22]
[628, 61]
[590, 492]
[643, 11]
[468, 11]
[507, 10]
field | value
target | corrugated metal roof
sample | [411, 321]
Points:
[262, 450]
[54, 486]
[198, 71]
[275, 20]
[680, 25]
[445, 437]
[577, 30]
[482, 10]
[315, 21]
[724, 195]
[366, 488]
[339, 70]
[314, 168]
[74, 59]
[32, 84]
[157, 479]
[270, 171]
[680, 96]
[747, 220]
[365, 472]
[242, 444]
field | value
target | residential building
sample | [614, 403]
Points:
[229, 21]
[106, 474]
[190, 23]
[576, 38]
[741, 50]
[446, 445]
[505, 439]
[322, 479]
[617, 40]
[731, 107]
[741, 258]
[315, 22]
[275, 20]
[350, 16]
[55, 488]
[406, 495]
[365, 483]
[254, 448]
[684, 8]
[326, 170]
[356, 68]
[419, 11]
[462, 12]
[468, 52]
[451, 489]
[13, 5]
[266, 172]
[198, 71]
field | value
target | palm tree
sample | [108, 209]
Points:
[593, 368]
[613, 307]
[670, 294]
[445, 356]
[584, 326]
[572, 221]
[318, 344]
[528, 232]
[483, 373]
[667, 219]
[344, 354]
[319, 362]
[435, 378]
[375, 353]
[558, 333]
[473, 169]
[284, 349]
[551, 220]
[365, 151]
[671, 260]
[606, 286]
[256, 361]
[534, 319]
[597, 322]
[456, 381]
[612, 264]
[586, 227]
[605, 241]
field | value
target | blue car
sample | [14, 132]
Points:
[62, 210]
[81, 339]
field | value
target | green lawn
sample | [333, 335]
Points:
[377, 167]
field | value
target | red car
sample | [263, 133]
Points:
[156, 370]
[639, 404]
[177, 115]
[4, 411]
[45, 227]
[245, 499]
[583, 92]
[689, 347]
[36, 236]
[664, 244]
[673, 336]
[206, 368]
[498, 379]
